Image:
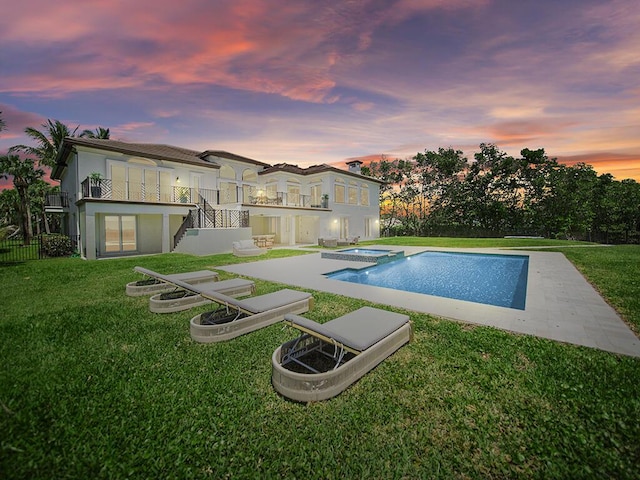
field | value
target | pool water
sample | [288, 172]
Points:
[499, 280]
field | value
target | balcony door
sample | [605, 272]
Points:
[139, 181]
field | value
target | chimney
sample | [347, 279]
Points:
[354, 166]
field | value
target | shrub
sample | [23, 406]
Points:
[56, 245]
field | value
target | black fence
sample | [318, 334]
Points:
[14, 250]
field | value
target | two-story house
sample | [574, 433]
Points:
[124, 198]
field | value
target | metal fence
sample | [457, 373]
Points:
[14, 250]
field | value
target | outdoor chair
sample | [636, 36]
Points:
[153, 285]
[236, 317]
[327, 358]
[247, 248]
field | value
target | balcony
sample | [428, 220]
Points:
[285, 200]
[106, 189]
[56, 202]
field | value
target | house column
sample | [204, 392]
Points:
[166, 234]
[90, 236]
[292, 229]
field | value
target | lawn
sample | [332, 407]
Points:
[94, 385]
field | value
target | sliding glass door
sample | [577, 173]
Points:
[120, 233]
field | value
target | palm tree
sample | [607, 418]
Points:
[99, 132]
[2, 123]
[48, 141]
[24, 173]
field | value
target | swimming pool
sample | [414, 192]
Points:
[492, 279]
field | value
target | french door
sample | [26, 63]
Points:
[120, 233]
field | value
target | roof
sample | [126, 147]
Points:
[313, 169]
[147, 150]
[232, 156]
[185, 155]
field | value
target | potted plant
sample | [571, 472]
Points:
[325, 201]
[95, 180]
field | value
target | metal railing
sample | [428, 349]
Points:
[211, 218]
[107, 189]
[57, 200]
[285, 200]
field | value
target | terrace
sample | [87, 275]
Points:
[107, 189]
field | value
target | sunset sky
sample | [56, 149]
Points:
[314, 81]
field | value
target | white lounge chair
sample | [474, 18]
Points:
[153, 285]
[247, 248]
[327, 358]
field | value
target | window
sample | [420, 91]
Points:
[344, 227]
[364, 194]
[139, 180]
[228, 190]
[227, 172]
[293, 194]
[316, 195]
[353, 193]
[272, 194]
[338, 191]
[249, 188]
[120, 233]
[249, 176]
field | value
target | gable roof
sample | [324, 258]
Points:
[313, 169]
[185, 155]
[232, 156]
[147, 150]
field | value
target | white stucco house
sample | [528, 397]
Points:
[123, 198]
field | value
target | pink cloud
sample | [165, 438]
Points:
[16, 121]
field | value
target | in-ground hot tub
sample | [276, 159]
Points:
[370, 255]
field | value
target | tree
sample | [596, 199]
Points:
[24, 173]
[3, 125]
[99, 132]
[48, 141]
[439, 174]
[9, 207]
[392, 173]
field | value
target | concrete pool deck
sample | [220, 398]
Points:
[561, 305]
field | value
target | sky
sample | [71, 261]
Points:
[321, 81]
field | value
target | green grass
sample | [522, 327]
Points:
[472, 242]
[94, 385]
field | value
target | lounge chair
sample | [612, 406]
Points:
[327, 358]
[237, 317]
[181, 299]
[247, 248]
[328, 242]
[153, 285]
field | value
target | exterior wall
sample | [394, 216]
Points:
[156, 223]
[150, 233]
[154, 226]
[209, 241]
